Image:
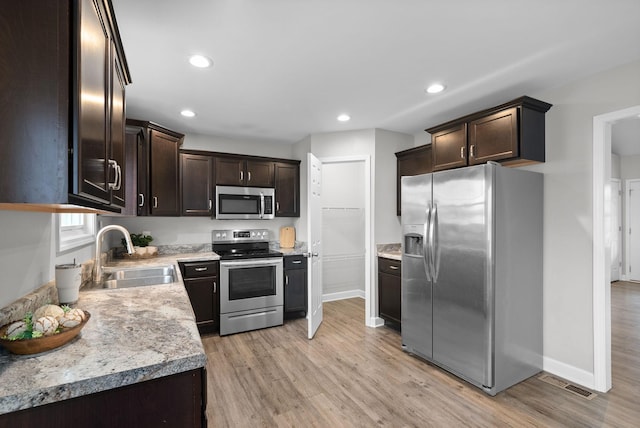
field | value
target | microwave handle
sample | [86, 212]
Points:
[261, 205]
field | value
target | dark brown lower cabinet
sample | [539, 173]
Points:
[201, 282]
[176, 401]
[295, 286]
[390, 291]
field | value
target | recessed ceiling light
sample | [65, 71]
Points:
[187, 113]
[200, 61]
[435, 88]
[344, 118]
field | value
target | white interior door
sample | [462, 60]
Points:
[633, 228]
[314, 241]
[616, 229]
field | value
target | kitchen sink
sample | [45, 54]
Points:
[136, 277]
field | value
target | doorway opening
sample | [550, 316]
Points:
[346, 230]
[602, 244]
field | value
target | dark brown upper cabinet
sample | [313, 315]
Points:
[414, 161]
[61, 113]
[196, 184]
[158, 168]
[240, 171]
[512, 134]
[287, 185]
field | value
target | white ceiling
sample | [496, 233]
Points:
[284, 69]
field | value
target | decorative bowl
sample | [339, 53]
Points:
[44, 343]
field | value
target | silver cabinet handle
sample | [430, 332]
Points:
[249, 176]
[114, 164]
[141, 204]
[296, 262]
[155, 202]
[215, 287]
[241, 175]
[472, 150]
[286, 280]
[462, 152]
[392, 267]
[277, 206]
[200, 269]
[210, 204]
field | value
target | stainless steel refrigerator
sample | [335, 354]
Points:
[472, 272]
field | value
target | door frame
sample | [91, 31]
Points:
[617, 182]
[627, 217]
[602, 245]
[371, 300]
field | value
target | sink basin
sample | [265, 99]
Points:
[137, 277]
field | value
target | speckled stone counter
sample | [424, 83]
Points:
[298, 249]
[389, 251]
[134, 335]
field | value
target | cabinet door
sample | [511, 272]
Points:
[117, 131]
[494, 137]
[389, 297]
[287, 185]
[295, 290]
[203, 294]
[165, 192]
[450, 147]
[93, 82]
[196, 183]
[259, 173]
[411, 162]
[229, 171]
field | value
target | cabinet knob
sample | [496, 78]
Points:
[141, 204]
[155, 202]
[462, 152]
[472, 151]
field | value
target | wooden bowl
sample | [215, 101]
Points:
[41, 344]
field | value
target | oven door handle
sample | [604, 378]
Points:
[247, 263]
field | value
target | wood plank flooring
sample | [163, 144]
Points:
[354, 376]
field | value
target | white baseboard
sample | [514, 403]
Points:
[570, 373]
[343, 295]
[375, 322]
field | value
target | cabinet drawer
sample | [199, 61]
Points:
[295, 262]
[200, 269]
[389, 266]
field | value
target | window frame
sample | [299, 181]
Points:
[73, 237]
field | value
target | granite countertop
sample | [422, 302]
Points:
[390, 251]
[134, 335]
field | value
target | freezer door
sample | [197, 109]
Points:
[416, 293]
[416, 284]
[461, 293]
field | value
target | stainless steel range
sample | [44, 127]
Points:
[251, 286]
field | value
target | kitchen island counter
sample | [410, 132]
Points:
[134, 335]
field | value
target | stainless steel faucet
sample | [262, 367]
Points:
[97, 265]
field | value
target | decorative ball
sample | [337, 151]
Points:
[16, 328]
[47, 325]
[70, 319]
[48, 311]
[78, 312]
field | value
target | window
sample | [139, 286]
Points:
[75, 230]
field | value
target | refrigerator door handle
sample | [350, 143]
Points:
[432, 217]
[426, 254]
[435, 243]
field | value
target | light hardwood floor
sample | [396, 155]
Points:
[354, 376]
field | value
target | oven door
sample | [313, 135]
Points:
[250, 284]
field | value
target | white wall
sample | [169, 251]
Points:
[615, 166]
[28, 253]
[245, 147]
[568, 218]
[387, 223]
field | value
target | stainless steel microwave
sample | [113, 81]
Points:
[245, 203]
